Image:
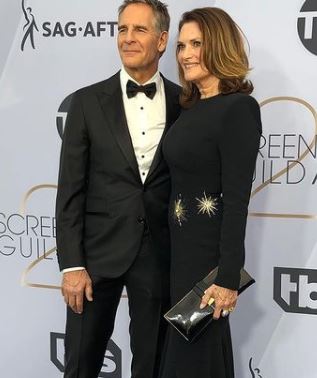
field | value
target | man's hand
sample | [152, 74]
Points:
[75, 285]
[223, 300]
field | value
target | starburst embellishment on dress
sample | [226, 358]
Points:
[179, 211]
[207, 205]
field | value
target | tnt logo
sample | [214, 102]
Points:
[307, 25]
[295, 290]
[112, 365]
[62, 114]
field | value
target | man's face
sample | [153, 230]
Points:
[139, 43]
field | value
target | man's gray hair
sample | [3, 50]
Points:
[162, 18]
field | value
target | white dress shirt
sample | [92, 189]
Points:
[146, 120]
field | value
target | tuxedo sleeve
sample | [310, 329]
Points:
[70, 200]
[238, 147]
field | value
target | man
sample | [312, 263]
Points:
[111, 205]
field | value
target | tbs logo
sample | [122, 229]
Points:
[112, 364]
[295, 290]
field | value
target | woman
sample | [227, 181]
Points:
[211, 152]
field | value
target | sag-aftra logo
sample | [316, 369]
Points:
[33, 30]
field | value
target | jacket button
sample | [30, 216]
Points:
[141, 220]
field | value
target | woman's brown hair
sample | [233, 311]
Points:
[223, 53]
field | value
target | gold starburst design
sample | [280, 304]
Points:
[179, 211]
[207, 205]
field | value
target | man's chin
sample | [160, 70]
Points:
[132, 65]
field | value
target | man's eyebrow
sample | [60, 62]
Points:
[140, 27]
[135, 26]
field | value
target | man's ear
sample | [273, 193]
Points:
[162, 43]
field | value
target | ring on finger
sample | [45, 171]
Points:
[225, 313]
[211, 301]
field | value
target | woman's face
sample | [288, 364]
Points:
[189, 54]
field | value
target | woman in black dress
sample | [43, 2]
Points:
[211, 151]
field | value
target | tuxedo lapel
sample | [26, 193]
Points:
[112, 105]
[172, 106]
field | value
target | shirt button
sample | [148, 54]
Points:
[143, 173]
[141, 108]
[143, 132]
[142, 156]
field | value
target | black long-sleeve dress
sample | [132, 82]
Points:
[211, 152]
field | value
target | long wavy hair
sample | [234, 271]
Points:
[223, 53]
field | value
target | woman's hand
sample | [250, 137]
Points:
[223, 299]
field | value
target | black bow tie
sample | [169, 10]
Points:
[132, 89]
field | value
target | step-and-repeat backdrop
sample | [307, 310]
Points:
[50, 48]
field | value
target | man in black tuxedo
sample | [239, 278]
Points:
[111, 206]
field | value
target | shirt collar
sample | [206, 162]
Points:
[124, 77]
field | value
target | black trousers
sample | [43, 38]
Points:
[87, 334]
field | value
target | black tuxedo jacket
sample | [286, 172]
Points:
[102, 206]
